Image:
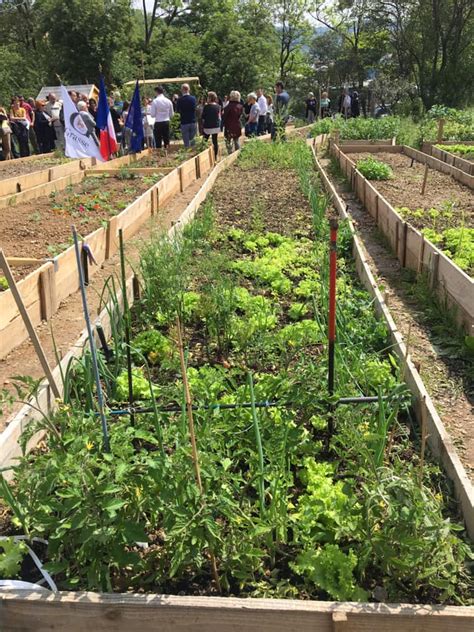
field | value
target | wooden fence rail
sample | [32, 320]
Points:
[86, 612]
[448, 157]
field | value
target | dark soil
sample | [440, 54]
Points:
[443, 192]
[11, 168]
[42, 227]
[247, 199]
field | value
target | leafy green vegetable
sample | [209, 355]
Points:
[374, 169]
[12, 553]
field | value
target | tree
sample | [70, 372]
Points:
[434, 40]
[81, 34]
[361, 33]
[293, 31]
[165, 12]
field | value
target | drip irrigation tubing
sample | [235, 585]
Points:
[117, 412]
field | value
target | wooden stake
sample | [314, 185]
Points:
[189, 412]
[434, 270]
[424, 438]
[189, 407]
[425, 178]
[441, 123]
[29, 325]
[421, 255]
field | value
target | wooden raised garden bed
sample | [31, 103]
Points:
[443, 152]
[414, 250]
[81, 611]
[44, 288]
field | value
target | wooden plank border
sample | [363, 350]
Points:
[80, 612]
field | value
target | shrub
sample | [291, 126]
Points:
[374, 169]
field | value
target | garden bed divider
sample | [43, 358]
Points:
[24, 182]
[43, 292]
[439, 440]
[446, 156]
[84, 611]
[453, 286]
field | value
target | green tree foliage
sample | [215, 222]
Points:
[421, 51]
[81, 34]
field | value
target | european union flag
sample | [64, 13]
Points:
[134, 122]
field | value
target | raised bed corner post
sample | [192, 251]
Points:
[95, 366]
[126, 314]
[333, 224]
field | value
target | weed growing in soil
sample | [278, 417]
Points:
[282, 516]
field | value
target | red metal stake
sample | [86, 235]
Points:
[333, 223]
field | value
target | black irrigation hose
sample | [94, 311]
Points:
[266, 404]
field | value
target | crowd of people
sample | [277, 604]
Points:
[348, 105]
[37, 126]
[208, 116]
[32, 126]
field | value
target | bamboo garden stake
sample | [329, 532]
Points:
[189, 412]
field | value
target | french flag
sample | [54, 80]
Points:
[108, 140]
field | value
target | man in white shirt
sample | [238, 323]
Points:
[162, 111]
[53, 107]
[262, 107]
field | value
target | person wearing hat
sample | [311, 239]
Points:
[44, 128]
[311, 108]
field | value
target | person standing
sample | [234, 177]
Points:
[325, 105]
[30, 109]
[5, 135]
[88, 119]
[251, 127]
[355, 105]
[148, 123]
[262, 107]
[311, 108]
[231, 119]
[345, 104]
[199, 109]
[269, 115]
[280, 111]
[53, 108]
[44, 129]
[20, 126]
[116, 119]
[211, 120]
[186, 108]
[162, 111]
